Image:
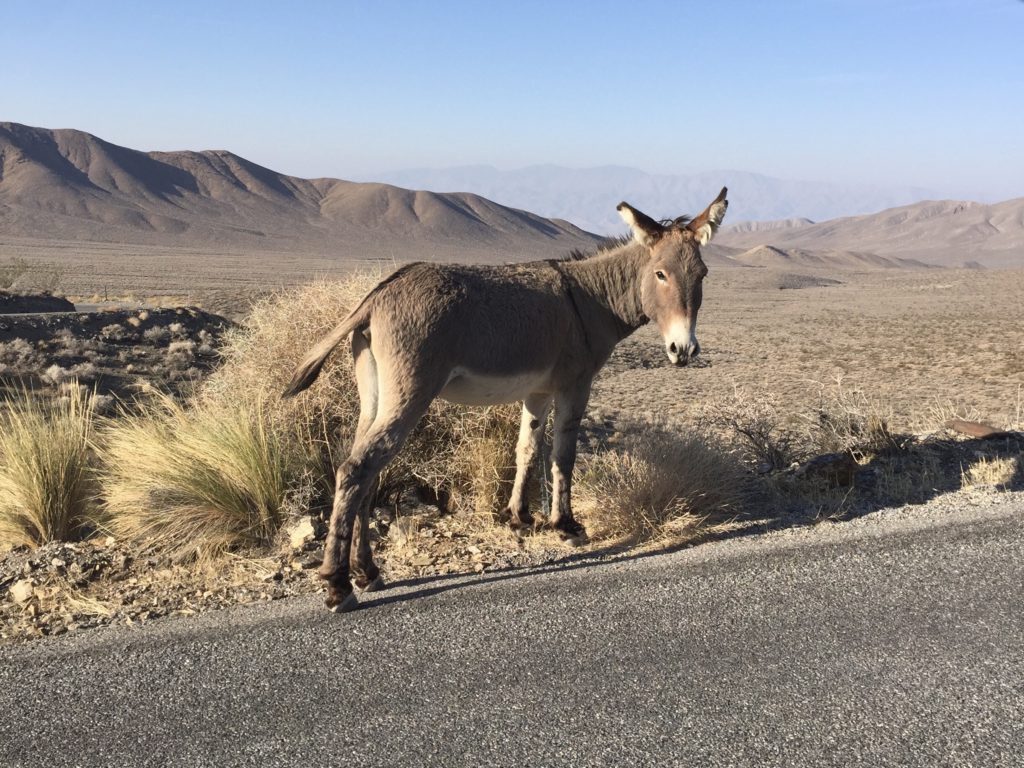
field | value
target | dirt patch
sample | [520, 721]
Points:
[791, 281]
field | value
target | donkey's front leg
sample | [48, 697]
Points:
[531, 434]
[569, 410]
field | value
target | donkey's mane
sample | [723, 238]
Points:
[615, 242]
[606, 245]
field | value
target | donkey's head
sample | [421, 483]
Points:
[670, 285]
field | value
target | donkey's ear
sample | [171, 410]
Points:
[645, 229]
[705, 225]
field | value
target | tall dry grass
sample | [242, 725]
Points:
[660, 484]
[197, 480]
[47, 488]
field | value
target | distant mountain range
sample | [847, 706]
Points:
[588, 196]
[71, 185]
[947, 233]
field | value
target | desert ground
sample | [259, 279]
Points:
[911, 347]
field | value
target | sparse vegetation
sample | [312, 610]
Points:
[198, 481]
[47, 489]
[222, 470]
[661, 485]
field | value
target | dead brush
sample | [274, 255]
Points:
[47, 488]
[850, 421]
[660, 484]
[764, 435]
[197, 481]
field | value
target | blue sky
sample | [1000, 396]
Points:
[910, 92]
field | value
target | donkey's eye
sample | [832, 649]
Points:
[660, 275]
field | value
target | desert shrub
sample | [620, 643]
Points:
[464, 452]
[196, 480]
[47, 489]
[38, 276]
[156, 334]
[660, 484]
[19, 353]
[849, 421]
[764, 435]
[11, 270]
[56, 375]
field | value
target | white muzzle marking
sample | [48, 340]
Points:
[681, 341]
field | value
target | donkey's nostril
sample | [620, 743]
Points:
[673, 348]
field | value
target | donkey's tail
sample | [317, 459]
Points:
[307, 371]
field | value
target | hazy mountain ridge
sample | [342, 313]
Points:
[779, 258]
[67, 184]
[944, 232]
[588, 196]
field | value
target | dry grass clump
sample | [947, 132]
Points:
[660, 484]
[196, 481]
[997, 472]
[849, 421]
[47, 490]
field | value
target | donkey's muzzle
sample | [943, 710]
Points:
[680, 355]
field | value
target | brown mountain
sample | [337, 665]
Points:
[70, 185]
[947, 233]
[780, 258]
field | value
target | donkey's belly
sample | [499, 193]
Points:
[469, 388]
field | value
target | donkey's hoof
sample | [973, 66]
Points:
[371, 586]
[572, 532]
[338, 603]
[521, 523]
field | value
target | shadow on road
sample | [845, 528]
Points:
[912, 474]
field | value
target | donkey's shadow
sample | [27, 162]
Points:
[931, 469]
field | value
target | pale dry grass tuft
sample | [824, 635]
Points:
[848, 420]
[196, 481]
[992, 472]
[47, 491]
[660, 485]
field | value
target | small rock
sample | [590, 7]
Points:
[22, 591]
[299, 533]
[421, 561]
[308, 560]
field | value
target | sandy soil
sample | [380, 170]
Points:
[914, 342]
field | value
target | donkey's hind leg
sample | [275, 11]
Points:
[356, 478]
[531, 434]
[365, 573]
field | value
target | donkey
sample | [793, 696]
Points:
[479, 335]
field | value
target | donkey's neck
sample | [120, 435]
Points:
[612, 280]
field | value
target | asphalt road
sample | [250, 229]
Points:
[893, 640]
